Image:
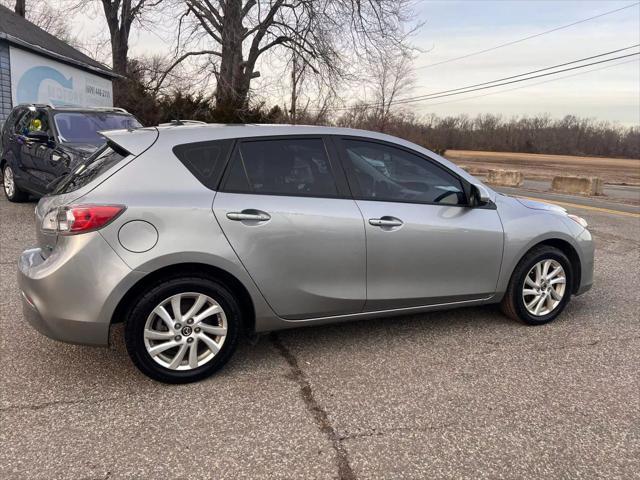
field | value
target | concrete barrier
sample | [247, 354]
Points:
[466, 168]
[505, 178]
[579, 185]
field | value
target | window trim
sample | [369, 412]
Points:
[335, 167]
[353, 184]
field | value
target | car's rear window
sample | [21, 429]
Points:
[94, 166]
[205, 160]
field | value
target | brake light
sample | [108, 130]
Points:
[76, 219]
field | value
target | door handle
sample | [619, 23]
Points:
[250, 215]
[385, 222]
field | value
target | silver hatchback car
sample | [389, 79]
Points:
[192, 235]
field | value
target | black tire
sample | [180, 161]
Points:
[142, 308]
[18, 195]
[513, 305]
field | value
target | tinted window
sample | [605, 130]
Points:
[37, 121]
[22, 125]
[385, 173]
[94, 166]
[40, 123]
[205, 160]
[296, 166]
[83, 127]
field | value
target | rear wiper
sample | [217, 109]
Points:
[69, 176]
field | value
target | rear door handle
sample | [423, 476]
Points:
[385, 222]
[249, 215]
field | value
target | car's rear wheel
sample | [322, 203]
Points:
[11, 189]
[540, 286]
[183, 330]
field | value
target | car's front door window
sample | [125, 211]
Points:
[385, 173]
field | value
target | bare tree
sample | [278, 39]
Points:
[47, 18]
[149, 70]
[237, 34]
[297, 77]
[120, 15]
[391, 76]
[21, 7]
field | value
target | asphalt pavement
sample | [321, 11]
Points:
[460, 394]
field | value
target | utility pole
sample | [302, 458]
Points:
[21, 7]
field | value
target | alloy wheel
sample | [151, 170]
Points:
[544, 287]
[185, 331]
[9, 182]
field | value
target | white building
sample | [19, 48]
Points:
[36, 67]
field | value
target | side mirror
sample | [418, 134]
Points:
[38, 136]
[479, 194]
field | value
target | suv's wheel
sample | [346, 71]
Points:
[540, 286]
[183, 330]
[11, 190]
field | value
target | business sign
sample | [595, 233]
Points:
[37, 79]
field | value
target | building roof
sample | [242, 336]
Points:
[22, 33]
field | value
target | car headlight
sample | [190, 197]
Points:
[579, 220]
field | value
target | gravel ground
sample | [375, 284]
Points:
[465, 393]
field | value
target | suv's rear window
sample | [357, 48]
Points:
[83, 127]
[94, 166]
[205, 160]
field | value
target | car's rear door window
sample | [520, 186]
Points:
[292, 166]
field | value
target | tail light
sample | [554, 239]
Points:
[75, 219]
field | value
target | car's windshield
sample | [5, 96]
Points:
[83, 127]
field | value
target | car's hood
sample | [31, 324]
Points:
[535, 205]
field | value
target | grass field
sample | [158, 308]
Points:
[617, 171]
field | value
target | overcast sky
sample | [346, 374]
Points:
[454, 28]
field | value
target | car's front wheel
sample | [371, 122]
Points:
[540, 286]
[11, 189]
[183, 329]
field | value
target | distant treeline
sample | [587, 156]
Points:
[540, 134]
[570, 135]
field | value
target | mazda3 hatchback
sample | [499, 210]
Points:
[194, 235]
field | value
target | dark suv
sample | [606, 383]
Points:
[42, 143]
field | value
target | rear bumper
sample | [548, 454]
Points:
[69, 296]
[64, 330]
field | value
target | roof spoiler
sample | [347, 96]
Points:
[134, 141]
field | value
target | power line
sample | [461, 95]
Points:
[532, 84]
[528, 37]
[417, 97]
[400, 102]
[477, 87]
